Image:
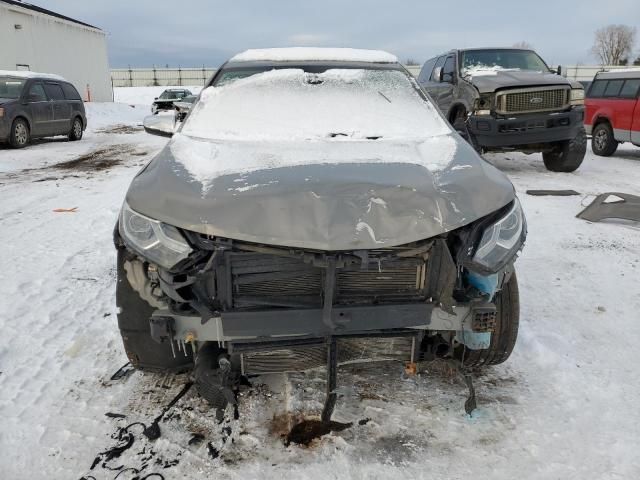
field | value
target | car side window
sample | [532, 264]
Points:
[449, 69]
[613, 88]
[54, 91]
[36, 93]
[70, 93]
[630, 88]
[439, 63]
[425, 73]
[597, 89]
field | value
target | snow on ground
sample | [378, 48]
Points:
[564, 405]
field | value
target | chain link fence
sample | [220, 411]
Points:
[149, 77]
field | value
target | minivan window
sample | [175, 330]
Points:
[54, 91]
[597, 88]
[613, 88]
[36, 93]
[10, 87]
[439, 63]
[70, 93]
[630, 88]
[425, 73]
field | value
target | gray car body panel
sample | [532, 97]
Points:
[329, 207]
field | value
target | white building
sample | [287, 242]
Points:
[32, 38]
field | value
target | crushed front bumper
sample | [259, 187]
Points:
[501, 132]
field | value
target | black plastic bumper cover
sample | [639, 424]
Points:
[526, 129]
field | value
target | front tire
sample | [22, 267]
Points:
[76, 130]
[503, 339]
[20, 134]
[567, 156]
[134, 313]
[603, 143]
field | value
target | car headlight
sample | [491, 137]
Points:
[577, 96]
[155, 241]
[501, 241]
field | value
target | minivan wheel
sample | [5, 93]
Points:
[503, 339]
[603, 142]
[76, 130]
[134, 313]
[567, 156]
[19, 133]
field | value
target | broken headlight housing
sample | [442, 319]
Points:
[155, 241]
[501, 240]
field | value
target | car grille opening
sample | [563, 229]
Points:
[532, 100]
[266, 280]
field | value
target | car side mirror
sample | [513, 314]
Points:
[162, 125]
[559, 70]
[437, 74]
[447, 78]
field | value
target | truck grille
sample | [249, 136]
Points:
[532, 100]
[260, 279]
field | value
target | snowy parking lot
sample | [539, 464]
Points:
[563, 406]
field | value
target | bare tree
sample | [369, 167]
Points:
[613, 43]
[523, 45]
[411, 62]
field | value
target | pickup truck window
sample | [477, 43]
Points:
[613, 88]
[630, 88]
[503, 58]
[439, 63]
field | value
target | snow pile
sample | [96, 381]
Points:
[100, 115]
[290, 104]
[314, 54]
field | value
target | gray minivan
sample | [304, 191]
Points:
[34, 105]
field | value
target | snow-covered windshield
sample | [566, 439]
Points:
[293, 104]
[10, 87]
[474, 61]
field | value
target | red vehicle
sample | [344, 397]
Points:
[613, 110]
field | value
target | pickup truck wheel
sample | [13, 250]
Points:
[76, 130]
[603, 142]
[568, 155]
[19, 135]
[134, 313]
[460, 125]
[503, 339]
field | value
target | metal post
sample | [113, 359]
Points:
[332, 380]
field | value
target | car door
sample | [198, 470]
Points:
[61, 108]
[635, 116]
[40, 109]
[447, 85]
[430, 83]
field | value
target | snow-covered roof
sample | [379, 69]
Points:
[314, 54]
[28, 74]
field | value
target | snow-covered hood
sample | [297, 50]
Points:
[488, 81]
[328, 195]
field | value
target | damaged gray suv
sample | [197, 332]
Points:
[315, 208]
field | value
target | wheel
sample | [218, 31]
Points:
[503, 339]
[460, 125]
[19, 137]
[213, 376]
[143, 352]
[603, 142]
[76, 130]
[568, 155]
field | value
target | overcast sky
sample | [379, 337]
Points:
[142, 33]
